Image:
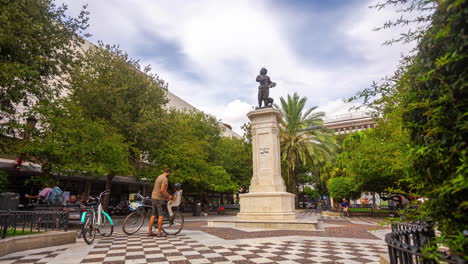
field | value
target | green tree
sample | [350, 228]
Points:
[435, 110]
[110, 86]
[189, 148]
[376, 158]
[430, 91]
[299, 143]
[66, 142]
[220, 180]
[311, 193]
[235, 156]
[37, 44]
[343, 187]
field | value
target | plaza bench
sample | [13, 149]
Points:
[228, 207]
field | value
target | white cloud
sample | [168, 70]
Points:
[336, 107]
[225, 43]
[233, 113]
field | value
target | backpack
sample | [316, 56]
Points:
[55, 196]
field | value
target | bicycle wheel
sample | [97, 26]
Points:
[87, 229]
[133, 222]
[173, 226]
[106, 228]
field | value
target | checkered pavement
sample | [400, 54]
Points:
[140, 248]
[38, 257]
[182, 249]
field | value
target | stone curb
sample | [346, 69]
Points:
[27, 242]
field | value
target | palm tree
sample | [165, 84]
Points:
[304, 140]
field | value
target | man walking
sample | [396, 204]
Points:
[158, 200]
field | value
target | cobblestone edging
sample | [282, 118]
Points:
[26, 242]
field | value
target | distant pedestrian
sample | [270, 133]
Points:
[345, 206]
[72, 200]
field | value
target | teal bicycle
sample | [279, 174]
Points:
[94, 219]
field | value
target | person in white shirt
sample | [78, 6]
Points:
[175, 201]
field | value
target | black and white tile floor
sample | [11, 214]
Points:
[139, 248]
[198, 246]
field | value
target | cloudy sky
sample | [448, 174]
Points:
[210, 51]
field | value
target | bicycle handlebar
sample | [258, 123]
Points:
[141, 197]
[98, 198]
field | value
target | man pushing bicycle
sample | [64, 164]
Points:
[158, 201]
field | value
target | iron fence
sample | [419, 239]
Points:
[23, 222]
[50, 207]
[406, 241]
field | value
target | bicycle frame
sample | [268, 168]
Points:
[99, 213]
[99, 217]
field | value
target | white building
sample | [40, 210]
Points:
[179, 104]
[349, 123]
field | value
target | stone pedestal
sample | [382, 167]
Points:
[267, 198]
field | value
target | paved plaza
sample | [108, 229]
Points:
[338, 240]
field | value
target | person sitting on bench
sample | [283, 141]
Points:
[345, 206]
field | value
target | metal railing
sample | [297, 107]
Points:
[406, 241]
[25, 222]
[51, 207]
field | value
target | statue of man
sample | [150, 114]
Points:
[264, 89]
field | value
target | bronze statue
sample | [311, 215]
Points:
[264, 89]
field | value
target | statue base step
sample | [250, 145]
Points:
[309, 224]
[266, 206]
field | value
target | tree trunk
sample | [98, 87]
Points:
[296, 191]
[109, 179]
[373, 201]
[87, 189]
[303, 200]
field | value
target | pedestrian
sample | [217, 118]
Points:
[49, 195]
[345, 206]
[72, 200]
[158, 200]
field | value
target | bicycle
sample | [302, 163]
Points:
[94, 219]
[141, 211]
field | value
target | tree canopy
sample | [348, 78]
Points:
[427, 98]
[66, 142]
[343, 187]
[376, 158]
[37, 44]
